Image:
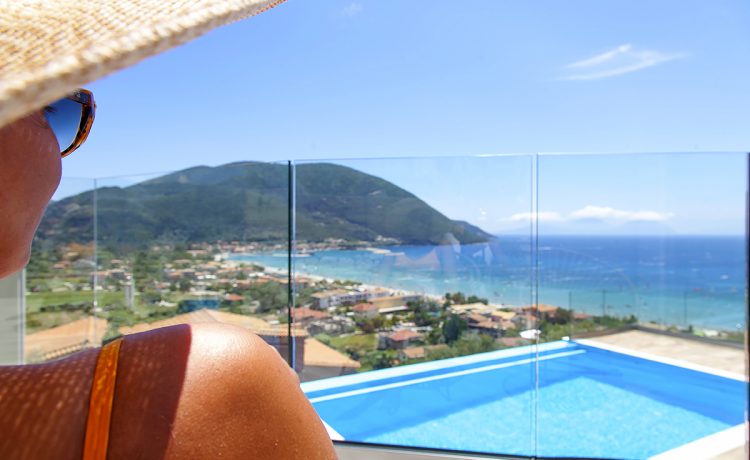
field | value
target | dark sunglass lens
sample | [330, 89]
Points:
[64, 117]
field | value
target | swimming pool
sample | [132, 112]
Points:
[591, 402]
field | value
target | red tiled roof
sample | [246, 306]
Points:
[414, 352]
[305, 313]
[541, 308]
[363, 307]
[476, 318]
[205, 315]
[487, 325]
[404, 334]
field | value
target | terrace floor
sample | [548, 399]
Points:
[726, 358]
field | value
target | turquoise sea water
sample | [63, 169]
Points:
[698, 281]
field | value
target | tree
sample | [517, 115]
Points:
[146, 267]
[452, 328]
[378, 359]
[458, 298]
[475, 299]
[562, 316]
[184, 285]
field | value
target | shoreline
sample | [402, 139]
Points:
[652, 310]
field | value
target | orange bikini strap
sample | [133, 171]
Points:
[100, 403]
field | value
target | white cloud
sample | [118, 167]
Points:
[352, 9]
[591, 212]
[603, 58]
[618, 61]
[606, 213]
[543, 216]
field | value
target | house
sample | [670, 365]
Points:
[234, 298]
[336, 325]
[541, 311]
[322, 361]
[368, 310]
[305, 315]
[500, 315]
[419, 352]
[299, 282]
[330, 298]
[394, 301]
[524, 320]
[487, 327]
[393, 310]
[402, 339]
[475, 318]
[411, 353]
[477, 307]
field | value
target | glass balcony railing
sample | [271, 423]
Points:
[586, 306]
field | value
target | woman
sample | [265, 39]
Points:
[184, 392]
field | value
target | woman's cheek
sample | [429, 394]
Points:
[30, 173]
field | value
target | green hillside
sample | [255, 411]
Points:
[249, 202]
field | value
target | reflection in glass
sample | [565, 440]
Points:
[413, 280]
[642, 275]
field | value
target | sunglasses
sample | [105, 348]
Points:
[70, 119]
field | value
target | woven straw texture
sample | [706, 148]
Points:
[50, 47]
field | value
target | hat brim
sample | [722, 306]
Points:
[48, 48]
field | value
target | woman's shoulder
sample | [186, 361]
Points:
[211, 390]
[199, 391]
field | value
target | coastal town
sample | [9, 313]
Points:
[338, 326]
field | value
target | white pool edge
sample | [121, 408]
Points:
[333, 434]
[400, 371]
[448, 375]
[662, 359]
[707, 447]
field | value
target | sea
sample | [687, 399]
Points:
[681, 281]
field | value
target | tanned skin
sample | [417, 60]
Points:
[184, 392]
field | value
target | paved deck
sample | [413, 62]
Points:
[705, 354]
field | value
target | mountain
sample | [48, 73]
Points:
[249, 202]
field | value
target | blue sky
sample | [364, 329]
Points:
[427, 78]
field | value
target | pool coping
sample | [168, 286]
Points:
[709, 446]
[662, 359]
[441, 364]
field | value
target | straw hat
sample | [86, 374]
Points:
[49, 47]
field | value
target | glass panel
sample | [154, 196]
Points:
[60, 293]
[642, 296]
[12, 309]
[173, 248]
[413, 280]
[561, 305]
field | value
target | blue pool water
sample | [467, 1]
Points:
[591, 403]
